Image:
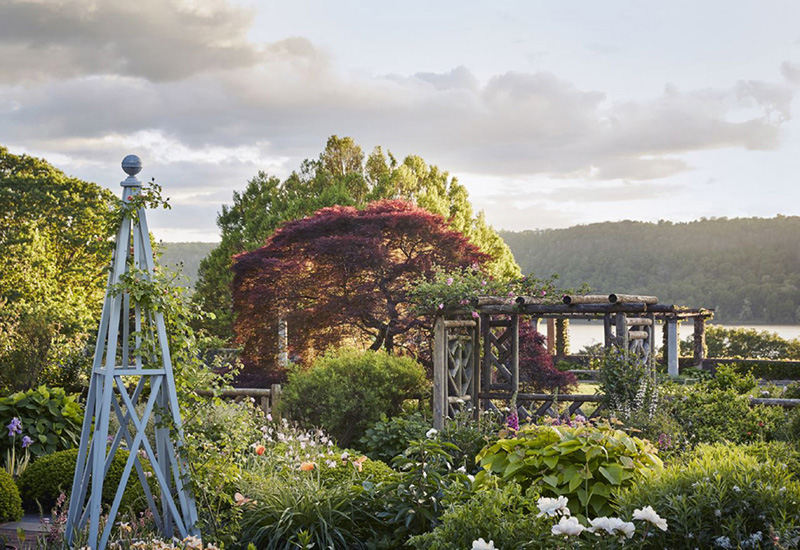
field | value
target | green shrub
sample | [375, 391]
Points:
[720, 496]
[728, 378]
[345, 391]
[49, 416]
[46, 478]
[505, 515]
[355, 471]
[10, 502]
[709, 415]
[389, 437]
[584, 463]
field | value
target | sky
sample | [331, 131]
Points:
[550, 113]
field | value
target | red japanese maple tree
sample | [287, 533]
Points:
[339, 276]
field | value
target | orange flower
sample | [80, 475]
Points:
[307, 466]
[260, 450]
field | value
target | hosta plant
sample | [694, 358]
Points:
[583, 462]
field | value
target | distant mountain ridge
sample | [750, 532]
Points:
[187, 254]
[748, 269]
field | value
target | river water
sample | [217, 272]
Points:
[585, 333]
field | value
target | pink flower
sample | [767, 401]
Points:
[483, 283]
[449, 281]
[475, 314]
[441, 306]
[544, 293]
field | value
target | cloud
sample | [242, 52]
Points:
[154, 39]
[791, 72]
[180, 82]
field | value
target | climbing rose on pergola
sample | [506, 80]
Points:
[340, 276]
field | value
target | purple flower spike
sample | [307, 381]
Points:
[15, 427]
[26, 442]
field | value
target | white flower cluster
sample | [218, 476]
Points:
[568, 526]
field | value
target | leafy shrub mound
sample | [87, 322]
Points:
[49, 416]
[584, 463]
[355, 471]
[506, 516]
[46, 478]
[345, 391]
[10, 502]
[721, 496]
[389, 437]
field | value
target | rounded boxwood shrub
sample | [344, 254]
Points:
[45, 479]
[346, 391]
[10, 502]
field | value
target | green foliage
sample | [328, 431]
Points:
[505, 515]
[415, 499]
[712, 415]
[48, 476]
[300, 511]
[736, 492]
[747, 269]
[387, 437]
[584, 463]
[340, 176]
[627, 383]
[356, 472]
[345, 391]
[745, 343]
[727, 378]
[10, 502]
[469, 437]
[54, 247]
[453, 289]
[49, 416]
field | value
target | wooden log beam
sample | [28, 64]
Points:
[575, 299]
[631, 298]
[639, 322]
[522, 300]
[637, 335]
[562, 398]
[488, 301]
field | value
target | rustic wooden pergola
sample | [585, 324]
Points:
[476, 351]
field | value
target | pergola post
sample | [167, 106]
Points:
[671, 352]
[699, 341]
[439, 373]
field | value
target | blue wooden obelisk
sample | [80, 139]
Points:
[121, 357]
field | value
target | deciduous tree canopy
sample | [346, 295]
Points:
[54, 245]
[344, 176]
[341, 275]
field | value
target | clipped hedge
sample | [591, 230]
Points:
[45, 479]
[10, 502]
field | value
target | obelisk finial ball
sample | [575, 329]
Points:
[132, 165]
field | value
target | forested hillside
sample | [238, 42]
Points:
[190, 254]
[746, 268]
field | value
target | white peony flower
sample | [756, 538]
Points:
[481, 544]
[612, 526]
[648, 514]
[567, 527]
[431, 433]
[552, 506]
